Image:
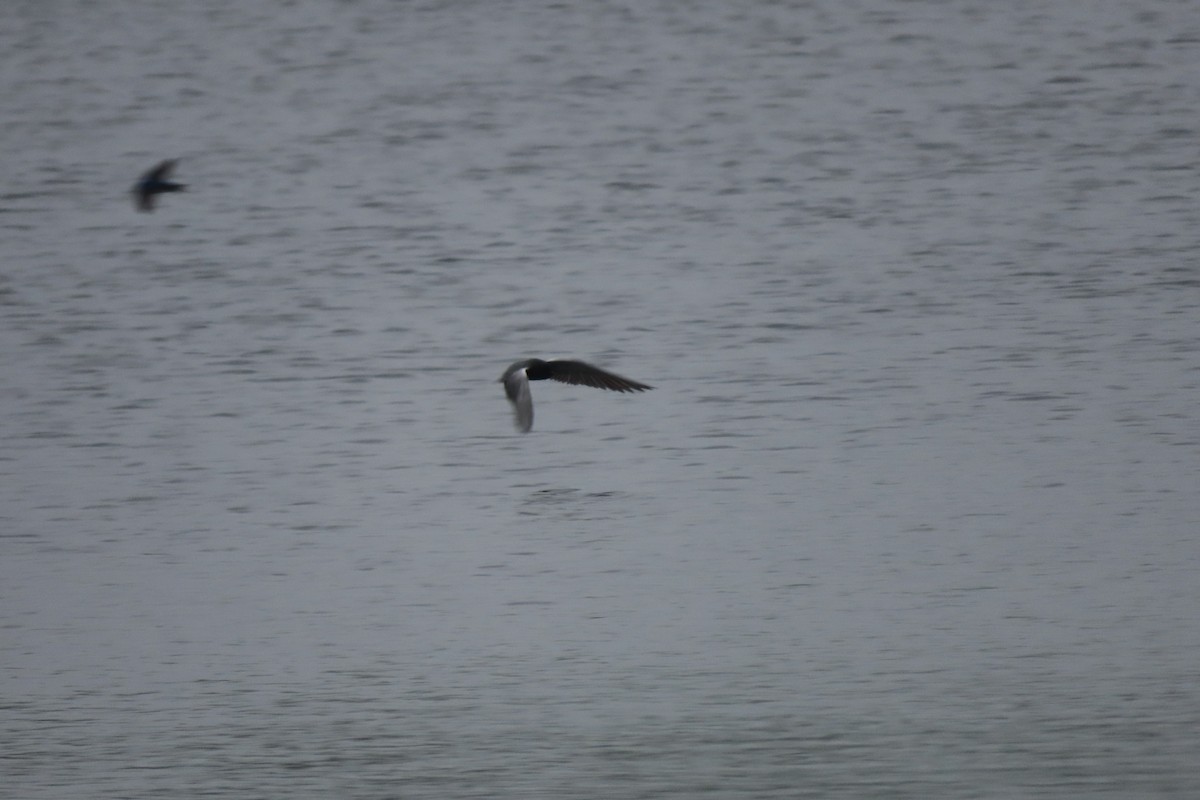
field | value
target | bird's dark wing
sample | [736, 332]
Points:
[161, 172]
[580, 374]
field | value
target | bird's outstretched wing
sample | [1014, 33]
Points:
[578, 373]
[161, 172]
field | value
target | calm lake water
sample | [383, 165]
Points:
[912, 511]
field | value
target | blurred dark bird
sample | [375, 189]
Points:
[154, 183]
[517, 377]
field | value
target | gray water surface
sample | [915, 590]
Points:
[910, 513]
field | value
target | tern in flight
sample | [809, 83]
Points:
[517, 377]
[154, 183]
